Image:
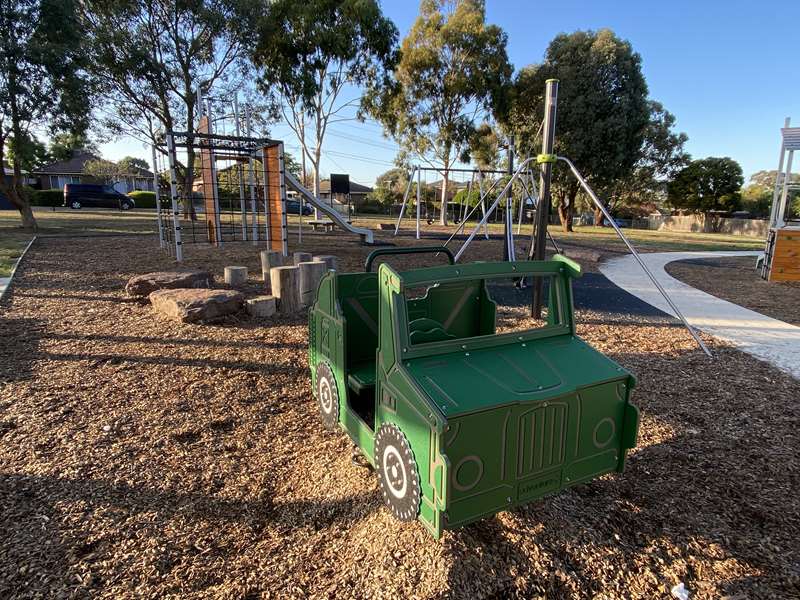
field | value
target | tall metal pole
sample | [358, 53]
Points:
[419, 196]
[508, 252]
[774, 216]
[214, 181]
[542, 214]
[173, 190]
[251, 179]
[158, 200]
[239, 170]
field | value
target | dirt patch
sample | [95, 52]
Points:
[143, 457]
[736, 280]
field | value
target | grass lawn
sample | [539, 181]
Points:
[64, 222]
[11, 246]
[606, 237]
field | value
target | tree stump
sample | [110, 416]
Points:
[330, 261]
[301, 257]
[269, 259]
[285, 287]
[261, 306]
[310, 274]
[235, 276]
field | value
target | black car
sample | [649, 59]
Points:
[77, 195]
[293, 208]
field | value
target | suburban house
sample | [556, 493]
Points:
[358, 192]
[55, 175]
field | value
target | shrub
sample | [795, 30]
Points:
[144, 199]
[45, 197]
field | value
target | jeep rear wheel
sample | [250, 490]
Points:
[327, 395]
[398, 475]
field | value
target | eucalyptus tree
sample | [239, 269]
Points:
[43, 84]
[453, 73]
[313, 56]
[151, 57]
[603, 112]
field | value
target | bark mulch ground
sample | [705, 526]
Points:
[145, 458]
[735, 279]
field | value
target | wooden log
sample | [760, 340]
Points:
[285, 287]
[301, 257]
[235, 276]
[261, 306]
[269, 259]
[330, 261]
[310, 274]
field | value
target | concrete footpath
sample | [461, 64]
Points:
[764, 337]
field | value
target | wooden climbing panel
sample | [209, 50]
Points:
[785, 255]
[275, 197]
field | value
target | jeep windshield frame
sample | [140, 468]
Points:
[560, 269]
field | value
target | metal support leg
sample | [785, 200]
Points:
[635, 254]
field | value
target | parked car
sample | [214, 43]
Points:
[90, 195]
[293, 207]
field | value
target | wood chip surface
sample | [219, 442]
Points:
[144, 458]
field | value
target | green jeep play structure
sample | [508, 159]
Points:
[461, 420]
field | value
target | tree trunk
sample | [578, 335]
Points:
[315, 165]
[443, 207]
[566, 210]
[599, 217]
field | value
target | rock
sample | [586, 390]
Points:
[261, 306]
[195, 305]
[331, 262]
[144, 285]
[235, 276]
[301, 257]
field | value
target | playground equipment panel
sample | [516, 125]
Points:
[462, 418]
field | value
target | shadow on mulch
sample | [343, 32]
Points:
[170, 341]
[19, 345]
[31, 519]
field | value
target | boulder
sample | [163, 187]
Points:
[196, 305]
[144, 285]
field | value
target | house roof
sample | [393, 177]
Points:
[355, 188]
[75, 166]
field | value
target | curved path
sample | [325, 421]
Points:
[764, 337]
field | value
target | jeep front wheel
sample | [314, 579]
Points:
[397, 472]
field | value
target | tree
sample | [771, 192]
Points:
[706, 186]
[662, 156]
[757, 196]
[603, 113]
[453, 72]
[309, 52]
[42, 82]
[28, 151]
[129, 165]
[151, 56]
[104, 171]
[64, 145]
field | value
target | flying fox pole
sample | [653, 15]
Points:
[546, 159]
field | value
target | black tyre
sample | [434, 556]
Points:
[125, 206]
[75, 204]
[327, 395]
[397, 472]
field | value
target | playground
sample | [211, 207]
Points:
[165, 458]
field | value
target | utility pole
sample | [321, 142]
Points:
[546, 160]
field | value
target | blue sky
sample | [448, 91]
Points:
[728, 70]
